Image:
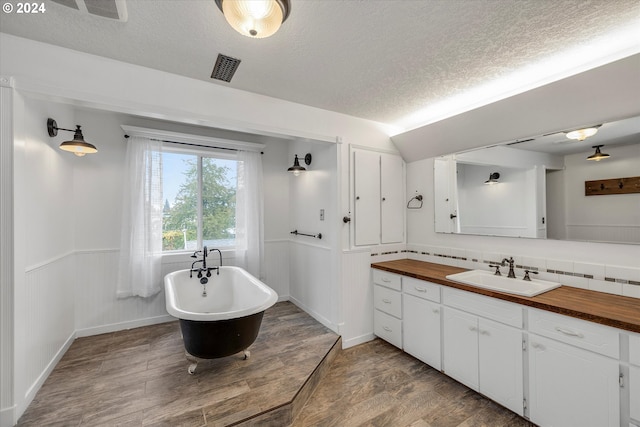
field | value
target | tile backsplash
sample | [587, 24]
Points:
[612, 279]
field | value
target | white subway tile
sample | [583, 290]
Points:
[595, 270]
[539, 263]
[573, 281]
[604, 286]
[560, 265]
[631, 291]
[620, 272]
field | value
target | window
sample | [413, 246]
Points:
[199, 192]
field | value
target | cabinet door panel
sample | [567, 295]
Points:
[570, 387]
[461, 346]
[501, 364]
[367, 197]
[634, 392]
[421, 330]
[391, 199]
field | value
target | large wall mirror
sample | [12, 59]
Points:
[542, 187]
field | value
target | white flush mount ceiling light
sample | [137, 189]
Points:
[582, 134]
[255, 18]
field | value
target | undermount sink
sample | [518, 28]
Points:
[488, 280]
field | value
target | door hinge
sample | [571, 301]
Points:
[621, 380]
[524, 404]
[524, 345]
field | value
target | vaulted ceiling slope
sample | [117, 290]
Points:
[374, 59]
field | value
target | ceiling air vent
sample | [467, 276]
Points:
[111, 9]
[225, 67]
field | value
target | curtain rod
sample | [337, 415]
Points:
[192, 140]
[193, 145]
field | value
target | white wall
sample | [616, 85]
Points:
[313, 273]
[44, 241]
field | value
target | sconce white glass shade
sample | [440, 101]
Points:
[582, 134]
[255, 18]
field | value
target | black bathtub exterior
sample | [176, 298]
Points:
[220, 338]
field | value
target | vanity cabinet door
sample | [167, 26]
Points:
[571, 387]
[461, 346]
[500, 360]
[421, 329]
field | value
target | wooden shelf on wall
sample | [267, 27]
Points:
[604, 187]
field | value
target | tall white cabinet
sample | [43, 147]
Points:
[378, 197]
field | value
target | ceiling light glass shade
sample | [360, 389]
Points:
[582, 134]
[255, 18]
[493, 178]
[78, 145]
[598, 155]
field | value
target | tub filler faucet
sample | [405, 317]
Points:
[204, 269]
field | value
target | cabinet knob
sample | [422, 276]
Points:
[386, 328]
[386, 301]
[357, 197]
[384, 198]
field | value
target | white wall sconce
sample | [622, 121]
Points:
[598, 155]
[296, 168]
[255, 18]
[77, 145]
[493, 178]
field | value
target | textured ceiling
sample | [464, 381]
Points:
[379, 60]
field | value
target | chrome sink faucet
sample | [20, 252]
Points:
[512, 273]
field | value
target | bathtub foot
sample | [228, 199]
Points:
[247, 354]
[192, 368]
[194, 363]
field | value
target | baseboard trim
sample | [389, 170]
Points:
[7, 416]
[113, 327]
[315, 315]
[352, 342]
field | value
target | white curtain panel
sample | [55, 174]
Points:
[249, 214]
[139, 272]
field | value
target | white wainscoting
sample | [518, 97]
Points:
[45, 324]
[276, 259]
[97, 310]
[357, 297]
[312, 286]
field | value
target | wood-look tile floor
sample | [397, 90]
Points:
[139, 377]
[376, 384]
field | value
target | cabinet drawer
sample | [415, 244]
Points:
[421, 289]
[634, 349]
[387, 327]
[386, 279]
[590, 336]
[387, 300]
[491, 308]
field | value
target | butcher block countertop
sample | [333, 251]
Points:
[606, 309]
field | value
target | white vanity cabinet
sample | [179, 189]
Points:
[421, 320]
[482, 346]
[573, 372]
[387, 303]
[379, 198]
[634, 378]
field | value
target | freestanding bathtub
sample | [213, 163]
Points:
[218, 318]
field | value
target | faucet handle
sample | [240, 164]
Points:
[497, 267]
[526, 275]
